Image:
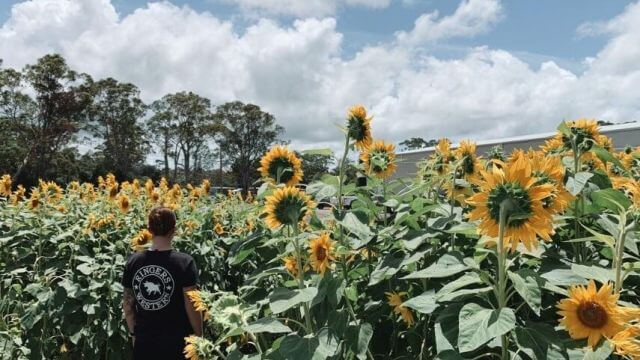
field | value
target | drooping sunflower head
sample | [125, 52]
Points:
[321, 253]
[281, 166]
[379, 159]
[516, 188]
[359, 126]
[585, 133]
[469, 163]
[18, 195]
[197, 348]
[394, 299]
[591, 314]
[605, 142]
[286, 206]
[113, 192]
[553, 145]
[196, 298]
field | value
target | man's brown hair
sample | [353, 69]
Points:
[162, 221]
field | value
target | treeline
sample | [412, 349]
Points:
[62, 125]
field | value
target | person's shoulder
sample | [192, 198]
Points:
[182, 256]
[135, 257]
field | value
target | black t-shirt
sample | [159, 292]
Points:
[157, 279]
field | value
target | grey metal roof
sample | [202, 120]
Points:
[622, 135]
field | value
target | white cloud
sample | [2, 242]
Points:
[302, 8]
[299, 74]
[472, 17]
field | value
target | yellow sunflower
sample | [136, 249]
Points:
[5, 185]
[549, 170]
[286, 206]
[515, 184]
[113, 192]
[553, 145]
[291, 264]
[590, 314]
[321, 253]
[191, 348]
[627, 342]
[630, 187]
[359, 127]
[470, 164]
[379, 159]
[141, 239]
[18, 195]
[123, 203]
[281, 165]
[34, 200]
[585, 133]
[198, 304]
[442, 156]
[218, 229]
[394, 299]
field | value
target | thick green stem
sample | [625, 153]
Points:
[341, 176]
[502, 283]
[305, 305]
[619, 250]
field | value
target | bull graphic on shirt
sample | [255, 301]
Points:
[151, 287]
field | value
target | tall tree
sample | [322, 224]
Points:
[114, 117]
[16, 109]
[185, 120]
[61, 97]
[314, 166]
[249, 132]
[162, 128]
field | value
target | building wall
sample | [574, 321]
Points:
[622, 135]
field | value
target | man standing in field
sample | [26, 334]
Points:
[158, 312]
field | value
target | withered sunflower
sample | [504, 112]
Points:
[591, 314]
[286, 206]
[515, 184]
[321, 253]
[379, 159]
[359, 127]
[394, 299]
[281, 165]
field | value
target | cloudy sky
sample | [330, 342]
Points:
[463, 69]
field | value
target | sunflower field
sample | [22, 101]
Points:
[528, 255]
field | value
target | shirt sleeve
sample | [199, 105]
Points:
[191, 274]
[126, 275]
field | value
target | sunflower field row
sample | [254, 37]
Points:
[528, 255]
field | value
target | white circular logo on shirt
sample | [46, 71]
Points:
[153, 287]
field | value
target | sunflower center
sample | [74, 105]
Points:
[357, 128]
[592, 314]
[283, 167]
[518, 196]
[321, 253]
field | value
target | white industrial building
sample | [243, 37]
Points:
[622, 135]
